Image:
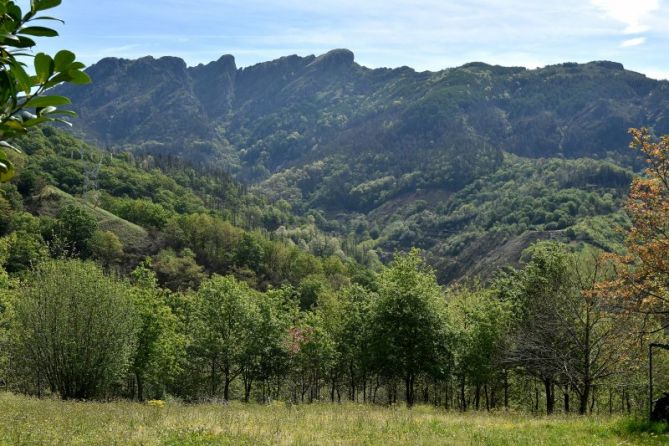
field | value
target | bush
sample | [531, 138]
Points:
[72, 328]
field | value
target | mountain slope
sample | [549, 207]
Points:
[361, 149]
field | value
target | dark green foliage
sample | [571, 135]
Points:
[387, 159]
[72, 232]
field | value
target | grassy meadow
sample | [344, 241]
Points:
[27, 421]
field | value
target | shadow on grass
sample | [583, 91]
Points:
[640, 426]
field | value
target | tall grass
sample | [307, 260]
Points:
[26, 421]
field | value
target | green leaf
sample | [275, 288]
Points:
[43, 67]
[24, 42]
[14, 125]
[64, 59]
[22, 78]
[39, 31]
[45, 4]
[43, 17]
[14, 12]
[36, 121]
[6, 168]
[8, 36]
[64, 112]
[62, 121]
[9, 146]
[79, 77]
[46, 110]
[47, 101]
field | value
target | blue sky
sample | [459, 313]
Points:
[423, 34]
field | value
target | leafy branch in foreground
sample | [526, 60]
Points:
[22, 103]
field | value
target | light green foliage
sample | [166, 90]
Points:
[408, 325]
[106, 247]
[266, 355]
[72, 329]
[178, 271]
[139, 211]
[346, 317]
[224, 315]
[25, 250]
[20, 93]
[160, 347]
[312, 354]
[478, 327]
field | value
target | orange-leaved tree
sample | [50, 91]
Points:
[643, 271]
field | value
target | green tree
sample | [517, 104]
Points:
[71, 232]
[408, 322]
[25, 250]
[178, 272]
[346, 317]
[159, 345]
[540, 346]
[568, 331]
[20, 93]
[312, 355]
[106, 247]
[73, 328]
[478, 326]
[266, 354]
[223, 329]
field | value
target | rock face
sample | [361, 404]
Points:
[566, 110]
[214, 85]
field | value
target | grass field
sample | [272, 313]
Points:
[50, 422]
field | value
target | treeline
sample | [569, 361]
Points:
[532, 339]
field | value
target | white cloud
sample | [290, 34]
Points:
[634, 14]
[424, 34]
[633, 42]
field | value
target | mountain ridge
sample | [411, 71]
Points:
[342, 142]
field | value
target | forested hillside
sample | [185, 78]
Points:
[70, 198]
[463, 162]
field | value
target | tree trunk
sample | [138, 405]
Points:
[506, 389]
[583, 400]
[610, 401]
[140, 386]
[487, 398]
[213, 377]
[332, 390]
[550, 397]
[409, 390]
[566, 399]
[248, 382]
[477, 396]
[351, 372]
[226, 385]
[592, 400]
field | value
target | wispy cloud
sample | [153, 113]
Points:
[424, 34]
[634, 14]
[633, 42]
